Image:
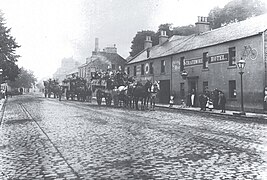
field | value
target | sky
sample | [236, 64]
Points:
[50, 30]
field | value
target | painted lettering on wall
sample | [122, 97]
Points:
[176, 65]
[191, 62]
[218, 58]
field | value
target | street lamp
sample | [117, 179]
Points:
[241, 65]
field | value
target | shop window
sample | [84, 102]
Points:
[128, 70]
[232, 89]
[142, 69]
[163, 64]
[232, 58]
[151, 70]
[205, 86]
[205, 60]
[134, 70]
[181, 64]
[182, 90]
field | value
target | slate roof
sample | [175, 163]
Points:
[177, 44]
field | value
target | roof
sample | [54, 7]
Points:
[178, 44]
[105, 57]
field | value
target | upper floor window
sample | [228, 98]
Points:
[181, 64]
[232, 58]
[151, 70]
[128, 70]
[205, 60]
[163, 64]
[142, 69]
[134, 70]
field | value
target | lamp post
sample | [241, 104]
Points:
[241, 65]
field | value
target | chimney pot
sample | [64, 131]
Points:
[148, 42]
[202, 25]
[163, 37]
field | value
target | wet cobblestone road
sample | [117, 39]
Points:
[47, 139]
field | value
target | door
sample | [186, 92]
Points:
[164, 93]
[192, 88]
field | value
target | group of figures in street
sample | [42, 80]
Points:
[114, 87]
[208, 100]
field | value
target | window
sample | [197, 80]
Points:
[232, 89]
[151, 70]
[142, 69]
[232, 56]
[205, 60]
[181, 64]
[134, 70]
[182, 90]
[205, 86]
[163, 66]
[113, 66]
[128, 70]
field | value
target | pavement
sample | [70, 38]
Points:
[250, 115]
[229, 113]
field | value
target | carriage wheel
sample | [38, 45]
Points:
[99, 100]
[108, 101]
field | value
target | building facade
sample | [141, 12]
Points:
[101, 61]
[68, 65]
[209, 61]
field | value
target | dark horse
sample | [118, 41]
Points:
[141, 93]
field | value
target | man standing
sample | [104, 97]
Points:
[222, 101]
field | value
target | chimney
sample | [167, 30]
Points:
[163, 37]
[202, 25]
[96, 45]
[148, 42]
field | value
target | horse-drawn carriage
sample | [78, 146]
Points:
[52, 87]
[76, 87]
[106, 84]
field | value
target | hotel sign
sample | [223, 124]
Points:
[191, 62]
[218, 58]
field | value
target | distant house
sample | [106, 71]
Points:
[209, 59]
[101, 61]
[68, 65]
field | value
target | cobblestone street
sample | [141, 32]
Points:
[49, 139]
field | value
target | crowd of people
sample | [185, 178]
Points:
[208, 100]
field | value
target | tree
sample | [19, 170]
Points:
[184, 30]
[234, 11]
[25, 79]
[165, 27]
[139, 39]
[8, 57]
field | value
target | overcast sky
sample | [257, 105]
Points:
[49, 30]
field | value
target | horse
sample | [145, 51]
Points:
[155, 88]
[141, 92]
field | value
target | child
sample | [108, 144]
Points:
[183, 104]
[171, 100]
[210, 104]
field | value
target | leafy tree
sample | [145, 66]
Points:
[8, 57]
[165, 27]
[25, 79]
[139, 39]
[234, 11]
[184, 30]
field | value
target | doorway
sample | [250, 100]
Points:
[164, 93]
